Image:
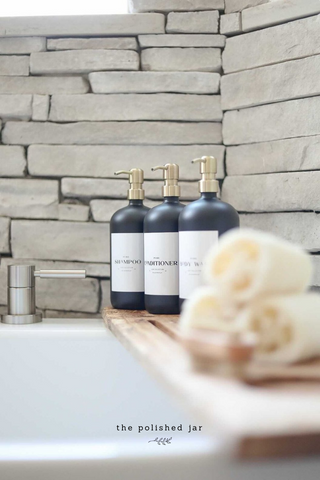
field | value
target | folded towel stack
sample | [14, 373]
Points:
[257, 282]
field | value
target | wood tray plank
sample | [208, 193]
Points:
[268, 418]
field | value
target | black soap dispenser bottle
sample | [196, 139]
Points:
[127, 247]
[200, 225]
[161, 247]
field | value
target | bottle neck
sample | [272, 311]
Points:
[170, 199]
[136, 202]
[208, 195]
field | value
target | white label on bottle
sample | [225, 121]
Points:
[127, 262]
[193, 247]
[161, 258]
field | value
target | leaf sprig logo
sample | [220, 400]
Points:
[161, 441]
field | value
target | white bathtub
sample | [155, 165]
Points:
[67, 384]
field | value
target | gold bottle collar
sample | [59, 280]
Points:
[171, 178]
[136, 178]
[208, 170]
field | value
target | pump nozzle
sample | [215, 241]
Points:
[136, 178]
[171, 178]
[208, 170]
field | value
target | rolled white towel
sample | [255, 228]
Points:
[206, 310]
[248, 263]
[287, 327]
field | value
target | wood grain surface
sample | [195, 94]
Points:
[275, 413]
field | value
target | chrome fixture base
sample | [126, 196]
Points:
[21, 319]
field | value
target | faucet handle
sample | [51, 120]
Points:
[60, 273]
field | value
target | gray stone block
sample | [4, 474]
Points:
[139, 6]
[14, 65]
[29, 198]
[62, 314]
[193, 22]
[316, 271]
[126, 107]
[92, 269]
[272, 45]
[40, 108]
[68, 294]
[95, 133]
[82, 25]
[115, 188]
[116, 43]
[22, 45]
[274, 83]
[101, 161]
[83, 61]
[278, 12]
[273, 192]
[4, 235]
[49, 240]
[181, 59]
[43, 85]
[301, 227]
[12, 161]
[183, 40]
[15, 107]
[230, 24]
[239, 5]
[73, 212]
[105, 290]
[270, 157]
[153, 82]
[296, 118]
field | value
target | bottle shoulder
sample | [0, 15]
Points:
[163, 217]
[129, 218]
[208, 214]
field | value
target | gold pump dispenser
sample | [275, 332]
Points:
[136, 178]
[171, 179]
[208, 170]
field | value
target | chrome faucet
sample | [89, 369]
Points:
[22, 292]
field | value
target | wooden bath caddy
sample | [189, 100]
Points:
[275, 414]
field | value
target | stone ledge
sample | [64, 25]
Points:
[140, 6]
[17, 65]
[43, 85]
[272, 45]
[301, 228]
[15, 107]
[230, 24]
[182, 40]
[83, 61]
[54, 240]
[101, 161]
[274, 13]
[13, 161]
[4, 235]
[181, 59]
[90, 25]
[274, 192]
[273, 83]
[22, 45]
[29, 198]
[131, 107]
[295, 118]
[112, 133]
[293, 154]
[109, 43]
[239, 5]
[193, 22]
[154, 82]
